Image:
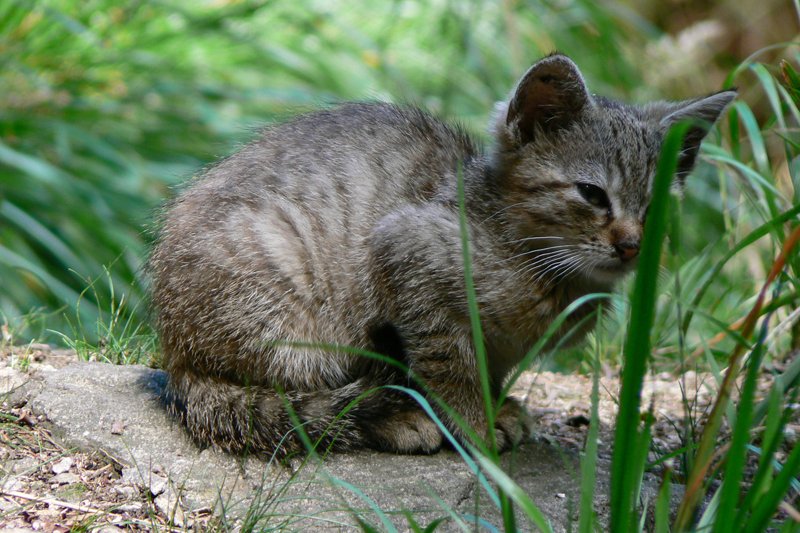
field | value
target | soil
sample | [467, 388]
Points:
[45, 487]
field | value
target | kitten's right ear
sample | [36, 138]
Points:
[702, 113]
[549, 97]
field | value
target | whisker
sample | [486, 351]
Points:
[566, 267]
[533, 264]
[580, 264]
[500, 211]
[526, 239]
[555, 269]
[664, 274]
[539, 250]
[520, 242]
[593, 266]
[539, 274]
[552, 257]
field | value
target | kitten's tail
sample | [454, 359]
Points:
[257, 420]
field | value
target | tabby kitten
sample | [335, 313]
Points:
[341, 227]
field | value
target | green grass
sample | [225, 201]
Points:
[106, 108]
[630, 441]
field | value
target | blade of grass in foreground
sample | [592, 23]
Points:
[477, 334]
[737, 454]
[770, 501]
[480, 352]
[514, 491]
[771, 438]
[637, 345]
[586, 520]
[663, 504]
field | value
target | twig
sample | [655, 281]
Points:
[51, 501]
[72, 506]
[791, 511]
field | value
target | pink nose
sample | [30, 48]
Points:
[627, 250]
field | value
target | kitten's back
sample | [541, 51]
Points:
[281, 227]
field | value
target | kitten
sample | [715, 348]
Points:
[342, 227]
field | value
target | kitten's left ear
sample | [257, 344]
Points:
[702, 113]
[549, 97]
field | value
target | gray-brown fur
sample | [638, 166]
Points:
[341, 227]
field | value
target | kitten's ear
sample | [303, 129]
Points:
[549, 97]
[702, 113]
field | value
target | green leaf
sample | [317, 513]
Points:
[770, 87]
[736, 456]
[756, 139]
[663, 505]
[507, 485]
[586, 520]
[637, 346]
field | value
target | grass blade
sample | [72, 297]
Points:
[589, 459]
[464, 455]
[637, 346]
[769, 503]
[663, 504]
[514, 491]
[736, 456]
[474, 316]
[769, 445]
[756, 139]
[480, 351]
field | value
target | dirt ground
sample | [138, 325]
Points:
[45, 487]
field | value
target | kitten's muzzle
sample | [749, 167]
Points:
[626, 238]
[627, 250]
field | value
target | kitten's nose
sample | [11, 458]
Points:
[627, 250]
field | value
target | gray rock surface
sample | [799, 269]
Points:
[118, 410]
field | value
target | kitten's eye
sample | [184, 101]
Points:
[594, 195]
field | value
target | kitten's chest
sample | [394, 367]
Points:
[520, 314]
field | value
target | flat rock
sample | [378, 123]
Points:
[119, 410]
[65, 478]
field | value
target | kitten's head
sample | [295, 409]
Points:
[576, 170]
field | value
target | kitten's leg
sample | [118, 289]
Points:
[448, 370]
[417, 266]
[256, 419]
[244, 419]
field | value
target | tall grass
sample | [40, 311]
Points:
[630, 441]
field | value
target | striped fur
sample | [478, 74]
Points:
[341, 227]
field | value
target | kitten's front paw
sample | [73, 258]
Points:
[513, 425]
[405, 432]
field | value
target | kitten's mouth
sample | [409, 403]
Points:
[612, 271]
